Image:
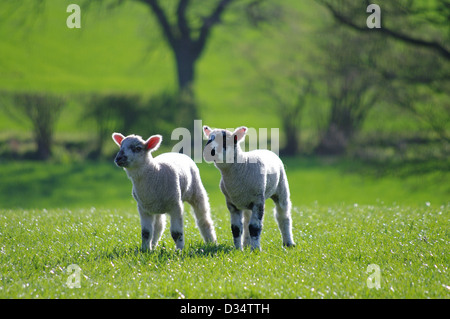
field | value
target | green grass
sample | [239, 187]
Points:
[38, 185]
[345, 218]
[334, 247]
[346, 215]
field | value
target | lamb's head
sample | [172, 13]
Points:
[134, 151]
[222, 145]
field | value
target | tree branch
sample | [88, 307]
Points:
[163, 21]
[209, 22]
[437, 47]
[181, 16]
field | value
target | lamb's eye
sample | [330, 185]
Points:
[138, 148]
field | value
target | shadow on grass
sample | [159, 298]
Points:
[400, 169]
[376, 168]
[32, 185]
[51, 185]
[162, 254]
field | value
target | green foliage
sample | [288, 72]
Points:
[120, 50]
[110, 113]
[40, 110]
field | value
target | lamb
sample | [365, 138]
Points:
[160, 186]
[248, 180]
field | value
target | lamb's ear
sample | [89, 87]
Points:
[206, 130]
[239, 134]
[118, 138]
[153, 142]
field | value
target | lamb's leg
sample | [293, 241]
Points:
[147, 222]
[203, 219]
[236, 225]
[255, 225]
[158, 228]
[282, 214]
[176, 225]
[247, 215]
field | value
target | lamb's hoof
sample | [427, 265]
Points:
[289, 245]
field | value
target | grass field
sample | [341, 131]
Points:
[335, 245]
[83, 214]
[347, 214]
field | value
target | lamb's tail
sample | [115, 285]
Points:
[202, 213]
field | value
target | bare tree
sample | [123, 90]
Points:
[415, 60]
[429, 30]
[352, 87]
[290, 106]
[42, 110]
[187, 42]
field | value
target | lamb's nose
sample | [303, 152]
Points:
[120, 159]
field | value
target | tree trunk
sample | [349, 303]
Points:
[186, 48]
[185, 64]
[292, 142]
[43, 147]
[344, 123]
[334, 141]
[186, 59]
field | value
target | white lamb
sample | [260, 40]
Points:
[161, 185]
[248, 179]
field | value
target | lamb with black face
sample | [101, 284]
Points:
[248, 180]
[217, 148]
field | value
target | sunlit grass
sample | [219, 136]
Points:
[334, 247]
[346, 215]
[345, 218]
